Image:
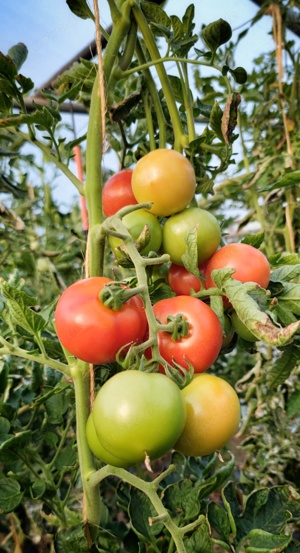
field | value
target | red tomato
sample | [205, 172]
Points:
[203, 342]
[251, 264]
[91, 331]
[117, 192]
[182, 281]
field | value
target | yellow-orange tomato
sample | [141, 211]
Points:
[212, 415]
[167, 179]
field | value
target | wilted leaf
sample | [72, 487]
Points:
[229, 118]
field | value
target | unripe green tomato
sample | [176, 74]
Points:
[212, 415]
[97, 448]
[135, 223]
[179, 226]
[138, 414]
[241, 329]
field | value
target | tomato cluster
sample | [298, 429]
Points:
[138, 414]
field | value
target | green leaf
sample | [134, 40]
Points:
[18, 303]
[10, 495]
[15, 441]
[181, 499]
[140, 511]
[290, 297]
[200, 541]
[190, 257]
[8, 68]
[18, 54]
[188, 20]
[25, 83]
[293, 404]
[285, 273]
[67, 457]
[72, 539]
[218, 519]
[215, 120]
[239, 74]
[290, 178]
[177, 88]
[38, 489]
[265, 542]
[217, 33]
[81, 9]
[155, 14]
[248, 312]
[282, 367]
[215, 481]
[255, 240]
[268, 510]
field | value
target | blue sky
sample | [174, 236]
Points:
[53, 35]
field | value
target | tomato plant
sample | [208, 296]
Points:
[182, 281]
[166, 178]
[199, 342]
[117, 192]
[137, 414]
[178, 229]
[136, 222]
[250, 264]
[91, 331]
[212, 415]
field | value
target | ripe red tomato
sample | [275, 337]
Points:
[182, 282]
[178, 227]
[137, 414]
[117, 192]
[166, 178]
[91, 331]
[212, 415]
[251, 264]
[203, 342]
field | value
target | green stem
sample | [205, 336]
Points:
[93, 506]
[162, 73]
[154, 96]
[149, 121]
[150, 489]
[9, 349]
[52, 157]
[187, 101]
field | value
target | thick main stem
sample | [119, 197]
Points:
[92, 500]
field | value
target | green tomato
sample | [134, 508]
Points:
[241, 329]
[97, 448]
[135, 223]
[178, 227]
[138, 414]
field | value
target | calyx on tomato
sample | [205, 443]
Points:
[90, 330]
[199, 342]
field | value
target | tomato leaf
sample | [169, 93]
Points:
[81, 9]
[216, 33]
[156, 15]
[282, 367]
[200, 541]
[18, 54]
[265, 542]
[10, 494]
[181, 499]
[140, 511]
[190, 257]
[229, 118]
[255, 240]
[218, 519]
[290, 178]
[19, 303]
[215, 121]
[248, 312]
